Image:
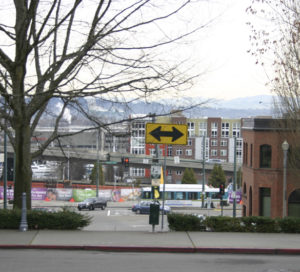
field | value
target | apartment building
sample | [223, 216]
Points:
[218, 135]
[215, 137]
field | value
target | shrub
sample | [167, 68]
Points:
[289, 224]
[185, 222]
[259, 224]
[224, 224]
[181, 222]
[10, 219]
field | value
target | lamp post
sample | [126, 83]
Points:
[234, 181]
[285, 147]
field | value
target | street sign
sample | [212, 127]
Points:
[155, 175]
[110, 162]
[170, 134]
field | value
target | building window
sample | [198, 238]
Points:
[138, 130]
[178, 172]
[214, 143]
[236, 127]
[191, 129]
[214, 152]
[202, 129]
[137, 172]
[214, 130]
[223, 152]
[179, 152]
[152, 152]
[224, 142]
[188, 152]
[137, 151]
[189, 142]
[265, 153]
[169, 152]
[225, 130]
[251, 153]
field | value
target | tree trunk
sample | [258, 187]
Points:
[23, 173]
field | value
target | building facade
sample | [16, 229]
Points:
[263, 178]
[212, 137]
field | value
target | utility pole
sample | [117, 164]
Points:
[4, 173]
[203, 172]
[97, 165]
[164, 187]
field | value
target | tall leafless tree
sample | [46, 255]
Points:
[277, 43]
[70, 49]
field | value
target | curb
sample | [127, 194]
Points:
[260, 251]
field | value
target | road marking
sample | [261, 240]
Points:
[108, 213]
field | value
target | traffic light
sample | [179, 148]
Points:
[222, 189]
[126, 162]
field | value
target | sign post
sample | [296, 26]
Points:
[167, 134]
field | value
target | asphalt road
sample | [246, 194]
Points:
[121, 219]
[79, 261]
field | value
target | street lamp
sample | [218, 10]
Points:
[285, 147]
[203, 170]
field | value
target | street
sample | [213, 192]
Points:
[123, 219]
[79, 261]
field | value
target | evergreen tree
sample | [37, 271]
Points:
[217, 176]
[93, 176]
[189, 177]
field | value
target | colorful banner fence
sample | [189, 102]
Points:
[77, 195]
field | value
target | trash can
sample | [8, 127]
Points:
[154, 214]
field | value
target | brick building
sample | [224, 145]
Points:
[217, 133]
[262, 186]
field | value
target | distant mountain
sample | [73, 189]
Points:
[235, 108]
[251, 102]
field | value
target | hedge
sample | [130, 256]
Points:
[183, 222]
[62, 220]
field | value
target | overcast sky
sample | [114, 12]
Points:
[221, 51]
[232, 71]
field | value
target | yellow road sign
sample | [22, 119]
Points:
[170, 134]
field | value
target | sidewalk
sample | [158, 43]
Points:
[128, 241]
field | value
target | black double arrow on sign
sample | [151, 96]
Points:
[175, 134]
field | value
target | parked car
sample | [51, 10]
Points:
[144, 208]
[92, 203]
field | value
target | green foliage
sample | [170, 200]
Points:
[259, 224]
[224, 224]
[289, 224]
[93, 176]
[10, 219]
[185, 222]
[217, 176]
[189, 177]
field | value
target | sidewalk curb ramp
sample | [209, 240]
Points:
[265, 251]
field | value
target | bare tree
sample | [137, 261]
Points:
[277, 44]
[71, 49]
